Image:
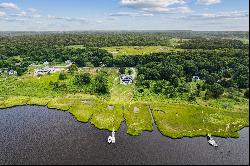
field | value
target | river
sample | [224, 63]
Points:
[38, 135]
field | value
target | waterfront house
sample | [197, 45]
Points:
[126, 79]
[45, 70]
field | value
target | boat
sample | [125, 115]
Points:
[111, 139]
[211, 141]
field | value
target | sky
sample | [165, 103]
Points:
[81, 15]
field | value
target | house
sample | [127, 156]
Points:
[45, 70]
[126, 79]
[196, 78]
[12, 72]
[68, 62]
[46, 63]
[17, 64]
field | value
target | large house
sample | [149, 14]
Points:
[44, 71]
[126, 79]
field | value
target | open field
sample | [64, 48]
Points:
[138, 50]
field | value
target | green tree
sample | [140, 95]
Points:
[101, 84]
[62, 76]
[130, 72]
[122, 70]
[216, 90]
[73, 68]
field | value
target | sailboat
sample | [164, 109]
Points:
[111, 139]
[211, 141]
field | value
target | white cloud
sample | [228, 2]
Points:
[8, 6]
[22, 14]
[221, 15]
[67, 18]
[36, 16]
[158, 6]
[181, 9]
[150, 3]
[131, 14]
[2, 14]
[32, 10]
[208, 2]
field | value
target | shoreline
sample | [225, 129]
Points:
[165, 133]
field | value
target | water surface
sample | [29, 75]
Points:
[38, 135]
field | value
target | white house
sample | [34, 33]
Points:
[68, 62]
[44, 71]
[126, 79]
[12, 72]
[46, 63]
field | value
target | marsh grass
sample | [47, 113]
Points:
[138, 119]
[174, 118]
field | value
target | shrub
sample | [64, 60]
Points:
[83, 79]
[62, 76]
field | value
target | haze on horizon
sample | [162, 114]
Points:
[78, 15]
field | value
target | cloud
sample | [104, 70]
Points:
[2, 14]
[32, 10]
[208, 2]
[181, 9]
[22, 14]
[221, 15]
[131, 14]
[8, 6]
[67, 18]
[150, 3]
[157, 6]
[14, 20]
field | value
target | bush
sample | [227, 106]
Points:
[122, 70]
[191, 97]
[73, 68]
[58, 86]
[216, 90]
[101, 84]
[83, 79]
[62, 76]
[246, 94]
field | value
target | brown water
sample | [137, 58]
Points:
[38, 135]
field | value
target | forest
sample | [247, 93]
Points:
[218, 61]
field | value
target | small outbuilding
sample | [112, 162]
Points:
[68, 62]
[46, 63]
[196, 78]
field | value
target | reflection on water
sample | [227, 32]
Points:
[37, 135]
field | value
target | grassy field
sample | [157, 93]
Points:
[179, 120]
[138, 50]
[174, 118]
